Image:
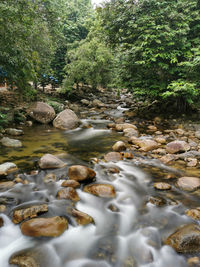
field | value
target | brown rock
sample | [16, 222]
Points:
[6, 185]
[192, 162]
[80, 173]
[119, 146]
[49, 178]
[193, 262]
[49, 161]
[2, 208]
[123, 126]
[128, 132]
[152, 128]
[41, 112]
[100, 190]
[177, 147]
[1, 222]
[147, 144]
[81, 217]
[157, 201]
[66, 120]
[162, 186]
[160, 140]
[23, 261]
[68, 193]
[128, 155]
[113, 170]
[70, 183]
[185, 239]
[31, 212]
[167, 158]
[113, 156]
[188, 183]
[49, 227]
[7, 167]
[194, 213]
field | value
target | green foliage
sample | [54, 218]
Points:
[90, 64]
[58, 107]
[3, 120]
[157, 44]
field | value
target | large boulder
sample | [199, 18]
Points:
[177, 147]
[185, 239]
[6, 141]
[66, 120]
[7, 168]
[188, 183]
[41, 112]
[49, 227]
[101, 190]
[80, 173]
[49, 161]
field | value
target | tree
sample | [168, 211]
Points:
[90, 63]
[156, 43]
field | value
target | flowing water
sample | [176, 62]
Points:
[127, 231]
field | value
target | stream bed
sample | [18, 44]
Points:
[128, 230]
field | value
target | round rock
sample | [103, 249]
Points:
[6, 141]
[177, 147]
[80, 173]
[66, 120]
[100, 190]
[41, 112]
[188, 183]
[49, 161]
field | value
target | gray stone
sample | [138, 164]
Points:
[66, 120]
[6, 141]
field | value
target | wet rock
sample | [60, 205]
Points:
[85, 102]
[157, 201]
[160, 140]
[82, 218]
[192, 162]
[121, 127]
[177, 146]
[68, 193]
[193, 262]
[97, 103]
[30, 212]
[6, 185]
[168, 158]
[185, 239]
[1, 222]
[128, 132]
[66, 120]
[197, 134]
[100, 190]
[29, 123]
[49, 178]
[7, 167]
[49, 227]
[49, 161]
[80, 173]
[194, 213]
[113, 208]
[23, 261]
[113, 156]
[128, 155]
[180, 131]
[188, 183]
[144, 144]
[6, 141]
[2, 208]
[41, 112]
[119, 146]
[162, 186]
[113, 170]
[14, 132]
[71, 183]
[152, 128]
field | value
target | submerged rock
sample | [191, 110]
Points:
[6, 141]
[49, 178]
[177, 146]
[68, 193]
[188, 183]
[157, 201]
[185, 239]
[41, 112]
[100, 190]
[49, 161]
[113, 156]
[7, 167]
[49, 227]
[119, 146]
[30, 212]
[66, 120]
[80, 173]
